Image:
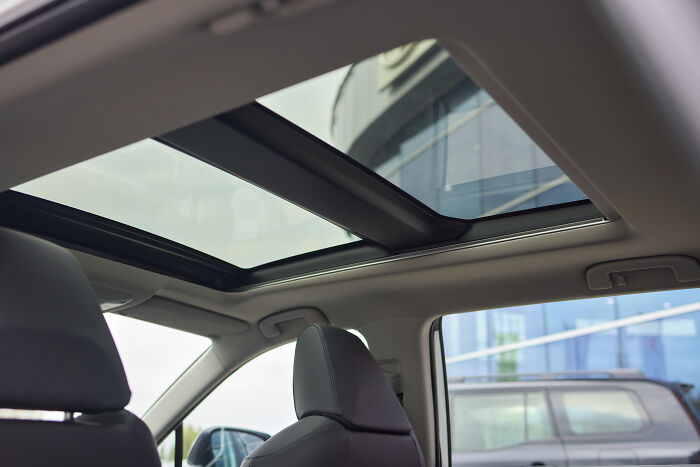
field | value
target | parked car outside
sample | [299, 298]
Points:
[572, 419]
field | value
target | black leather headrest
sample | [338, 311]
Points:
[56, 352]
[336, 376]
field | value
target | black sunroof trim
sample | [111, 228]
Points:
[96, 235]
[51, 22]
[249, 140]
[105, 238]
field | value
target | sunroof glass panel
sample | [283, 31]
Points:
[413, 116]
[153, 187]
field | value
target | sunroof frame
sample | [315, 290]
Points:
[247, 142]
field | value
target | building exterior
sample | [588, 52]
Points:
[666, 349]
[413, 116]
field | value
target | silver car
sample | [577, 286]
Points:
[620, 420]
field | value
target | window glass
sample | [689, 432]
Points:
[538, 424]
[607, 366]
[166, 450]
[153, 356]
[599, 412]
[161, 190]
[560, 337]
[257, 397]
[255, 401]
[484, 421]
[413, 116]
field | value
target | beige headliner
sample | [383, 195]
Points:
[160, 65]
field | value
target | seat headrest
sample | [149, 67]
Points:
[56, 352]
[336, 376]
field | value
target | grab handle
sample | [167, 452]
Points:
[606, 275]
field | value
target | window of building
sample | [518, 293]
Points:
[661, 343]
[602, 412]
[491, 421]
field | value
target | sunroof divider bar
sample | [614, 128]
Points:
[266, 150]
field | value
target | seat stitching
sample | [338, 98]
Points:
[415, 444]
[329, 366]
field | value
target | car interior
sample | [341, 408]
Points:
[495, 169]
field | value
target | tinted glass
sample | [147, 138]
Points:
[413, 116]
[156, 188]
[599, 412]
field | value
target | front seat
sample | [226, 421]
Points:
[57, 354]
[348, 414]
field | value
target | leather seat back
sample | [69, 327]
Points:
[57, 354]
[348, 414]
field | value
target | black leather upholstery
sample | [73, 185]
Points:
[348, 414]
[56, 353]
[53, 338]
[335, 376]
[110, 439]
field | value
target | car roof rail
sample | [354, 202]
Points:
[617, 373]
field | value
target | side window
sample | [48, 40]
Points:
[250, 405]
[485, 421]
[166, 450]
[153, 356]
[602, 412]
[590, 360]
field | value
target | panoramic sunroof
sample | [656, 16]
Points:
[411, 115]
[156, 188]
[414, 117]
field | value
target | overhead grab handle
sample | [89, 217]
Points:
[269, 326]
[607, 275]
